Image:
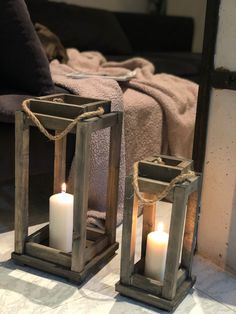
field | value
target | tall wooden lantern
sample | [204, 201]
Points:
[162, 275]
[91, 247]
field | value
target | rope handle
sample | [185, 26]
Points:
[179, 179]
[86, 115]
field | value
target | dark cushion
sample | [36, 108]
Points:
[186, 65]
[80, 27]
[23, 63]
[155, 33]
[11, 100]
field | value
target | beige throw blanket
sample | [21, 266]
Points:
[159, 115]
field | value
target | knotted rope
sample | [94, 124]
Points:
[86, 115]
[179, 179]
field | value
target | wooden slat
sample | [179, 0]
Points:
[59, 163]
[56, 256]
[153, 187]
[70, 108]
[69, 99]
[57, 109]
[48, 267]
[92, 267]
[21, 181]
[129, 232]
[149, 220]
[158, 171]
[81, 184]
[104, 121]
[147, 284]
[181, 276]
[113, 179]
[57, 123]
[36, 249]
[171, 160]
[52, 123]
[40, 235]
[154, 300]
[48, 254]
[175, 242]
[139, 266]
[95, 264]
[92, 106]
[94, 233]
[96, 248]
[191, 226]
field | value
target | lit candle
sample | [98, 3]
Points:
[156, 251]
[61, 220]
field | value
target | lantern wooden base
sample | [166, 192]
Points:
[157, 301]
[39, 255]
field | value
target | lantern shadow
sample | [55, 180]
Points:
[36, 286]
[121, 305]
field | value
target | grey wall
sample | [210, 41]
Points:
[217, 229]
[195, 9]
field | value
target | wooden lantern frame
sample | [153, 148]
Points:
[152, 179]
[91, 246]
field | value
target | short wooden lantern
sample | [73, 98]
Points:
[91, 247]
[153, 178]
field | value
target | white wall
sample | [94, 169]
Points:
[192, 8]
[217, 229]
[113, 5]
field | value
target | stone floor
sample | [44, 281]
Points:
[25, 290]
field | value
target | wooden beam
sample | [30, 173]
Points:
[21, 181]
[81, 184]
[113, 179]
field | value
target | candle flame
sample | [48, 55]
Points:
[160, 227]
[63, 187]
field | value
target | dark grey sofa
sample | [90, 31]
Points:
[166, 41]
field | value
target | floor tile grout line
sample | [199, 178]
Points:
[213, 298]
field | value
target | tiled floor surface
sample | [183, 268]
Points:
[25, 290]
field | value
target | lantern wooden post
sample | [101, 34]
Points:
[91, 246]
[185, 197]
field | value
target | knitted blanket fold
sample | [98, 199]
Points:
[159, 116]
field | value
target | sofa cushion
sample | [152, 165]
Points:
[185, 65]
[80, 27]
[23, 63]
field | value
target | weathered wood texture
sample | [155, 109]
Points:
[151, 299]
[148, 284]
[91, 247]
[22, 181]
[172, 167]
[175, 242]
[67, 106]
[113, 180]
[81, 185]
[91, 268]
[191, 226]
[149, 221]
[59, 163]
[177, 279]
[128, 232]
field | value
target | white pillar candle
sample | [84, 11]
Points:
[61, 220]
[156, 251]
